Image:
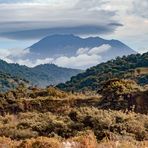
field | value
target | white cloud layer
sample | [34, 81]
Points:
[9, 54]
[86, 57]
[32, 18]
[99, 50]
[30, 63]
[82, 61]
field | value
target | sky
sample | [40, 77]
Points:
[24, 22]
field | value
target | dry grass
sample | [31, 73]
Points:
[42, 118]
[85, 140]
[123, 144]
[114, 125]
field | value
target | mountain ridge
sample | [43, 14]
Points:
[42, 75]
[68, 44]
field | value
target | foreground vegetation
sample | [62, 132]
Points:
[50, 118]
[113, 125]
[83, 140]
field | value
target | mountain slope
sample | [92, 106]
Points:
[41, 75]
[68, 45]
[131, 67]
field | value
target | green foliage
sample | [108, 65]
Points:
[7, 82]
[124, 67]
[42, 75]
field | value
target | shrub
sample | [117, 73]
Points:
[40, 142]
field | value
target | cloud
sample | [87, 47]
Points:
[89, 4]
[32, 19]
[17, 56]
[134, 16]
[78, 62]
[99, 50]
[82, 61]
[96, 50]
[140, 7]
[12, 1]
[40, 33]
[9, 54]
[30, 63]
[24, 1]
[85, 57]
[82, 51]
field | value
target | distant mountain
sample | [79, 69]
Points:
[133, 67]
[42, 75]
[68, 45]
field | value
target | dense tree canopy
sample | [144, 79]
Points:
[125, 67]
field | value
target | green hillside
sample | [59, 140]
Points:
[133, 67]
[42, 75]
[7, 81]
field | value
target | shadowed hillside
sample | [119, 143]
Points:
[42, 75]
[7, 81]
